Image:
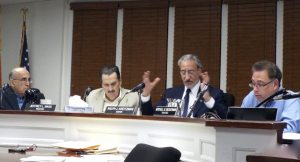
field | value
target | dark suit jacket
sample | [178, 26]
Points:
[200, 108]
[8, 99]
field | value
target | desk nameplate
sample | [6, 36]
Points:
[120, 110]
[165, 110]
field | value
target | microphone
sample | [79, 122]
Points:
[87, 92]
[287, 96]
[271, 98]
[3, 90]
[137, 88]
[33, 96]
[201, 93]
[199, 96]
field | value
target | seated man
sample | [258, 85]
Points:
[195, 81]
[12, 95]
[265, 81]
[111, 92]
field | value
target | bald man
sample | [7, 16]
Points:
[12, 94]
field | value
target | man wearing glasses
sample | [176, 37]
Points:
[265, 81]
[195, 83]
[12, 94]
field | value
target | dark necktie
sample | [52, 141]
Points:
[186, 102]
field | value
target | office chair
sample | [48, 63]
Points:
[146, 153]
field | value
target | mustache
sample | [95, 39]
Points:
[111, 91]
[188, 81]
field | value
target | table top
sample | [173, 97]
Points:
[15, 157]
[5, 156]
[279, 153]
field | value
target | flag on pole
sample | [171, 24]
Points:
[24, 57]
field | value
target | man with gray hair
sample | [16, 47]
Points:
[196, 95]
[12, 95]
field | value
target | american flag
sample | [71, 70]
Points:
[24, 58]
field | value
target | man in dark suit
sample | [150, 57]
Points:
[196, 82]
[12, 95]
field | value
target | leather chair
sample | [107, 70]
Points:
[146, 153]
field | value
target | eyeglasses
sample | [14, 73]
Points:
[24, 80]
[259, 85]
[187, 72]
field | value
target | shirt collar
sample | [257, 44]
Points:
[194, 89]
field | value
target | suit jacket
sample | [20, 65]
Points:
[8, 99]
[200, 108]
[95, 99]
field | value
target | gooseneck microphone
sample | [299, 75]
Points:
[270, 98]
[199, 97]
[3, 90]
[288, 96]
[87, 92]
[137, 88]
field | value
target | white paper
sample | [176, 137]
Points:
[43, 159]
[85, 158]
[291, 136]
[76, 101]
[76, 144]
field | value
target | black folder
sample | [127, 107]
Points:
[259, 114]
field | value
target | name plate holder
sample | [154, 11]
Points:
[165, 110]
[41, 107]
[120, 110]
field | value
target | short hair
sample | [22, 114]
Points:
[191, 57]
[13, 72]
[108, 70]
[273, 71]
[10, 75]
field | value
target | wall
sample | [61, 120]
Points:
[49, 42]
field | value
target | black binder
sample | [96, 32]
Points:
[259, 114]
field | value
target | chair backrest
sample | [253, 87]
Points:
[146, 153]
[229, 99]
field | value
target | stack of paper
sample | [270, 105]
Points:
[85, 158]
[82, 148]
[43, 159]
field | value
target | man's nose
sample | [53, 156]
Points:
[187, 77]
[110, 88]
[255, 88]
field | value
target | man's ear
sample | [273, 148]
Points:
[11, 83]
[276, 83]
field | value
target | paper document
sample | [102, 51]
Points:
[97, 158]
[291, 136]
[77, 145]
[85, 158]
[43, 159]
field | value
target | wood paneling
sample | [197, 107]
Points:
[251, 37]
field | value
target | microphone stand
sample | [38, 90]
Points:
[200, 95]
[270, 98]
[136, 110]
[178, 110]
